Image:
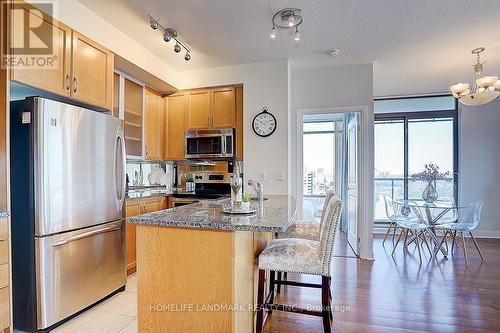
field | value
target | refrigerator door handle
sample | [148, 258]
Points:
[120, 176]
[85, 235]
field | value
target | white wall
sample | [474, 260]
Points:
[479, 162]
[324, 87]
[265, 84]
[80, 18]
[340, 87]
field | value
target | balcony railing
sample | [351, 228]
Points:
[394, 187]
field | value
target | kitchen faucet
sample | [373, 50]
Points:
[258, 187]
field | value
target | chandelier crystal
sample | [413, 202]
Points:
[483, 90]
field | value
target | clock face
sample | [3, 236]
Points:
[264, 124]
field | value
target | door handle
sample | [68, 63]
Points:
[75, 84]
[85, 235]
[119, 168]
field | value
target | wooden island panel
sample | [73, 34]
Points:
[178, 267]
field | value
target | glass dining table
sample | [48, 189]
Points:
[432, 214]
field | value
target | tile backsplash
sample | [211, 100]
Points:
[138, 174]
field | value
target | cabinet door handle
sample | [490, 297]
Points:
[75, 84]
[68, 83]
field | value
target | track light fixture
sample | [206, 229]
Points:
[168, 35]
[287, 19]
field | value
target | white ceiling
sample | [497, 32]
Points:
[416, 46]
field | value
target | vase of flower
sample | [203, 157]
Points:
[430, 175]
[430, 194]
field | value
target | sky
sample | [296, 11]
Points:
[427, 142]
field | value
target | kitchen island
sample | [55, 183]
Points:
[196, 266]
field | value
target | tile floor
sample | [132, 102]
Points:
[116, 314]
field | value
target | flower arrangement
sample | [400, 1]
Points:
[431, 174]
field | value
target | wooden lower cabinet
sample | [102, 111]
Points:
[134, 208]
[4, 308]
[4, 276]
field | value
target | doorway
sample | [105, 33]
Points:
[328, 157]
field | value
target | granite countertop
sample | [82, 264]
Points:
[4, 214]
[275, 215]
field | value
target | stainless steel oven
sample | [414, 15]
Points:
[210, 144]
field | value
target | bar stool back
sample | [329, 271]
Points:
[302, 256]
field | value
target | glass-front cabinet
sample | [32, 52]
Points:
[129, 106]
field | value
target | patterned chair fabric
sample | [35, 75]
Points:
[307, 229]
[296, 255]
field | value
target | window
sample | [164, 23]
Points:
[407, 140]
[319, 157]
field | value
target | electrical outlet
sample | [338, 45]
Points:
[280, 175]
[262, 176]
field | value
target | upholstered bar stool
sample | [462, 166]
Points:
[302, 256]
[305, 230]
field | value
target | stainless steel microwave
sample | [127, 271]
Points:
[210, 144]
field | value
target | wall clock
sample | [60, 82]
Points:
[264, 123]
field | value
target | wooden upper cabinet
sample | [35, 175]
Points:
[56, 78]
[82, 69]
[239, 123]
[153, 125]
[199, 109]
[223, 107]
[92, 69]
[133, 107]
[176, 126]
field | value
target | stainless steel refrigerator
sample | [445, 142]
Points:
[67, 193]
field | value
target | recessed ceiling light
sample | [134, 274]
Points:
[333, 52]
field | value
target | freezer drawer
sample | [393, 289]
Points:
[76, 269]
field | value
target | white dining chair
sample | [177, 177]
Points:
[391, 215]
[467, 222]
[412, 228]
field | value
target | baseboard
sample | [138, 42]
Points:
[478, 233]
[487, 233]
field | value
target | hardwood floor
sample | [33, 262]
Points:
[397, 294]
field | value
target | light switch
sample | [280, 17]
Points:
[262, 176]
[280, 175]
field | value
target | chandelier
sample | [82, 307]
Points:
[484, 89]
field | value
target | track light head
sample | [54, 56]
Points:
[273, 32]
[297, 34]
[187, 57]
[177, 48]
[154, 23]
[167, 37]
